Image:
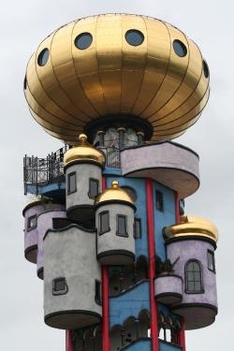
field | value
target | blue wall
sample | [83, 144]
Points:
[130, 303]
[165, 218]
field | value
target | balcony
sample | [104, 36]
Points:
[168, 163]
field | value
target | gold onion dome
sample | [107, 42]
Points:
[117, 65]
[113, 194]
[83, 152]
[191, 226]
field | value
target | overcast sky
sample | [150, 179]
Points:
[24, 24]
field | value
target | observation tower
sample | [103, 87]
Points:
[123, 266]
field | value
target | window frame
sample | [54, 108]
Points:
[30, 220]
[159, 199]
[107, 227]
[137, 234]
[118, 232]
[96, 181]
[70, 190]
[63, 291]
[193, 272]
[98, 292]
[211, 261]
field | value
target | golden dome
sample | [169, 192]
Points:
[84, 151]
[117, 65]
[115, 193]
[192, 226]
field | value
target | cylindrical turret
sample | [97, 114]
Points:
[83, 169]
[72, 279]
[191, 245]
[114, 222]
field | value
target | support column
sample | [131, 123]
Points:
[182, 336]
[68, 341]
[152, 268]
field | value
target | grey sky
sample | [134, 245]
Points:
[23, 25]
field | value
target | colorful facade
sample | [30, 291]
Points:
[124, 267]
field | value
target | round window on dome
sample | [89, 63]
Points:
[205, 69]
[83, 41]
[134, 37]
[43, 57]
[25, 82]
[179, 48]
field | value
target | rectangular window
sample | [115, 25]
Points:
[104, 222]
[211, 261]
[137, 228]
[98, 294]
[121, 225]
[59, 286]
[159, 201]
[32, 222]
[71, 183]
[93, 188]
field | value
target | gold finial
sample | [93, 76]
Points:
[115, 184]
[83, 139]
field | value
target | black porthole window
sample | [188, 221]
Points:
[43, 57]
[205, 69]
[83, 41]
[25, 83]
[134, 37]
[179, 48]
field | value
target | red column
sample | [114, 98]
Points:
[182, 332]
[105, 310]
[182, 336]
[68, 346]
[152, 268]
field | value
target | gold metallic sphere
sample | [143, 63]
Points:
[117, 65]
[84, 152]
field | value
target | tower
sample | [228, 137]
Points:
[123, 266]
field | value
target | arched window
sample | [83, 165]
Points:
[193, 277]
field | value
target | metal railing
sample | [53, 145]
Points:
[39, 171]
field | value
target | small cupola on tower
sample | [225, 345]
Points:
[114, 222]
[83, 168]
[191, 244]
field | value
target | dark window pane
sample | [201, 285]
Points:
[193, 277]
[83, 41]
[104, 222]
[137, 229]
[43, 57]
[32, 222]
[122, 225]
[59, 286]
[179, 48]
[159, 201]
[93, 188]
[71, 183]
[98, 296]
[134, 37]
[197, 286]
[205, 69]
[211, 260]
